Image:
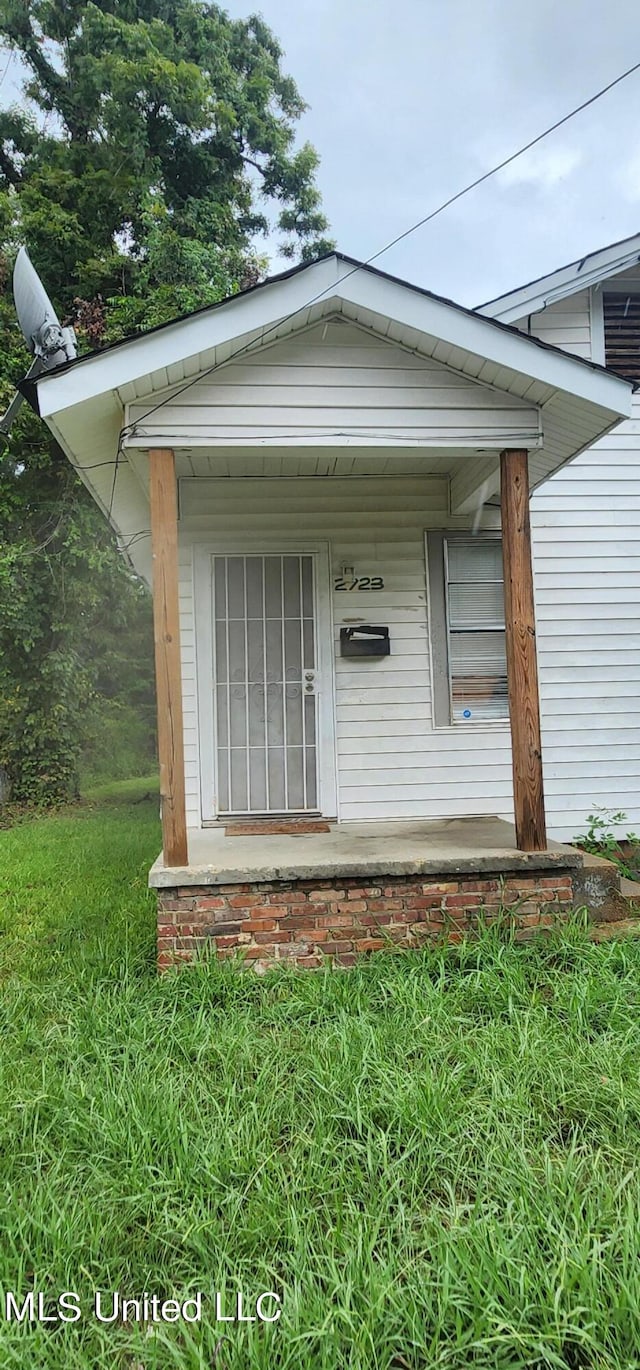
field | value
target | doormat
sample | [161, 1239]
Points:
[266, 827]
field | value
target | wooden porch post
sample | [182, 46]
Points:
[522, 664]
[166, 631]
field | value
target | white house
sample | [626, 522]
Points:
[586, 546]
[319, 469]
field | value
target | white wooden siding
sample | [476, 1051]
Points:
[391, 763]
[336, 379]
[586, 538]
[586, 527]
[626, 280]
[566, 324]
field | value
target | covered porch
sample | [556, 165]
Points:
[345, 428]
[183, 844]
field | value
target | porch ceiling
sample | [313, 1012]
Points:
[251, 464]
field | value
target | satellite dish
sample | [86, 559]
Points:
[49, 343]
[37, 317]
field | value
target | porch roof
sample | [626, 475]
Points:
[83, 402]
[170, 353]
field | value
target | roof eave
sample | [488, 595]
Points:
[261, 311]
[563, 282]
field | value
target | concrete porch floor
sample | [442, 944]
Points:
[455, 846]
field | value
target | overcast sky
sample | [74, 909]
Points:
[411, 99]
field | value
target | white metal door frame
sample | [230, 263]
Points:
[265, 660]
[324, 684]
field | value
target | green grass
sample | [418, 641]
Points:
[435, 1158]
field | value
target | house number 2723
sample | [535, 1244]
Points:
[358, 583]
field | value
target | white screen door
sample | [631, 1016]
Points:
[265, 700]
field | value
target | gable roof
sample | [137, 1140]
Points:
[564, 281]
[332, 278]
[574, 401]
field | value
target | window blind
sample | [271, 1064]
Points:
[474, 591]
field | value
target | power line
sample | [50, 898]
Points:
[135, 537]
[10, 60]
[116, 463]
[95, 466]
[472, 185]
[506, 162]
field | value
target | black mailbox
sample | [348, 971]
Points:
[364, 640]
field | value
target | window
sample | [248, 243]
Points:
[475, 623]
[622, 332]
[466, 593]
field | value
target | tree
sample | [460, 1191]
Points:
[168, 132]
[154, 145]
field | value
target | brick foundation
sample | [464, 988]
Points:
[305, 921]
